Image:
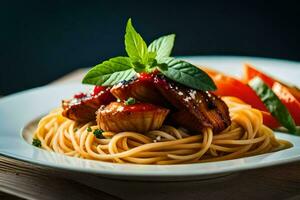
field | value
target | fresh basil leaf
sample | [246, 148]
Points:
[139, 67]
[151, 55]
[135, 46]
[273, 103]
[110, 72]
[162, 46]
[152, 62]
[163, 66]
[186, 74]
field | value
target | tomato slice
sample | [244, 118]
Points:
[287, 98]
[294, 91]
[269, 120]
[250, 72]
[229, 86]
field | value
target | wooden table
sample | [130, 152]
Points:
[21, 179]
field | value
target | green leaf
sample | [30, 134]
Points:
[139, 67]
[186, 74]
[36, 142]
[135, 46]
[162, 46]
[152, 62]
[98, 133]
[273, 103]
[151, 55]
[110, 72]
[130, 101]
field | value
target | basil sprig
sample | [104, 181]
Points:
[147, 59]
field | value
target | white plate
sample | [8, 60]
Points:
[19, 109]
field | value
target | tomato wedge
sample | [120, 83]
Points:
[269, 120]
[286, 97]
[250, 72]
[229, 86]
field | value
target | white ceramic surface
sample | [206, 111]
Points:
[17, 110]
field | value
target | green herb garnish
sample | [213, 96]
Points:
[147, 59]
[130, 101]
[273, 104]
[89, 129]
[98, 133]
[36, 142]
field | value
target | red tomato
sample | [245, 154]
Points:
[294, 91]
[79, 95]
[291, 103]
[269, 120]
[229, 86]
[98, 89]
[250, 72]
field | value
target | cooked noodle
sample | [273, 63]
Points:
[247, 136]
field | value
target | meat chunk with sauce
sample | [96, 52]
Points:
[141, 88]
[196, 109]
[140, 117]
[82, 108]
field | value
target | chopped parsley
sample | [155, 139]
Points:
[36, 142]
[130, 101]
[76, 129]
[98, 133]
[89, 129]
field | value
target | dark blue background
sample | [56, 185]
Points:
[43, 40]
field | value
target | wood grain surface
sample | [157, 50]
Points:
[24, 180]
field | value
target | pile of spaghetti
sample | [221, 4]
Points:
[246, 136]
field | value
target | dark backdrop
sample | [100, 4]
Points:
[43, 40]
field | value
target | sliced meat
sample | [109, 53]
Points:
[139, 117]
[187, 120]
[197, 109]
[142, 89]
[82, 108]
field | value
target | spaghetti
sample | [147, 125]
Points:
[246, 136]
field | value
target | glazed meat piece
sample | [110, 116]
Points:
[139, 117]
[196, 109]
[142, 89]
[187, 120]
[82, 108]
[191, 108]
